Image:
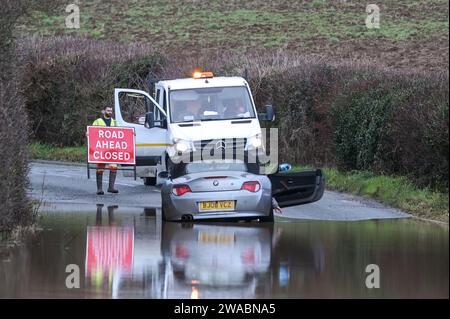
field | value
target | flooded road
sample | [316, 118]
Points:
[128, 252]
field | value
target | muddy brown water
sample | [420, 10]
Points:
[119, 252]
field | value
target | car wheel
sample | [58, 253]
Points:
[150, 181]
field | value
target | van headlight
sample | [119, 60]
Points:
[181, 146]
[255, 141]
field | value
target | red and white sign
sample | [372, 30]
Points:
[112, 145]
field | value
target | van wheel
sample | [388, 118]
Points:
[150, 181]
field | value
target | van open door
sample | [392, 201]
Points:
[137, 109]
[296, 188]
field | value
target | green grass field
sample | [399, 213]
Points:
[412, 33]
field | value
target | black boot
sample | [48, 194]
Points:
[112, 180]
[100, 183]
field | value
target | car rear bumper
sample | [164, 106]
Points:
[247, 205]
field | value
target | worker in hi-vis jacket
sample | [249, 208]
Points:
[106, 120]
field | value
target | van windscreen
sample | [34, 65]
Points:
[210, 104]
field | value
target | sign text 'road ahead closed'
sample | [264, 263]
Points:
[114, 145]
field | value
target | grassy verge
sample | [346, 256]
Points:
[56, 153]
[395, 191]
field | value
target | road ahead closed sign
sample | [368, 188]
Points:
[112, 145]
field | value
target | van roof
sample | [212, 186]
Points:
[191, 83]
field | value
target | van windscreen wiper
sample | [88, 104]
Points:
[210, 119]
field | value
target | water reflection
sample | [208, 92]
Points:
[109, 250]
[194, 260]
[129, 253]
[216, 261]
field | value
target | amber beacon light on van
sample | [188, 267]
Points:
[202, 75]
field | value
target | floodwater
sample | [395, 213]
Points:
[119, 252]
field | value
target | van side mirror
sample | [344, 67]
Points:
[151, 122]
[268, 116]
[150, 119]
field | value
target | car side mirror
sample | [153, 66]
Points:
[272, 169]
[150, 119]
[284, 167]
[141, 120]
[163, 174]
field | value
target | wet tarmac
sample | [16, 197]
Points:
[128, 252]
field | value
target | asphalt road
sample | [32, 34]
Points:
[59, 184]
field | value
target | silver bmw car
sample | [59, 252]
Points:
[231, 190]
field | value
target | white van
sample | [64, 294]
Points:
[185, 115]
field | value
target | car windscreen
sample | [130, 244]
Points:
[210, 104]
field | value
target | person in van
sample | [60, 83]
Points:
[236, 110]
[187, 111]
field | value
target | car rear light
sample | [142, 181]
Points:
[180, 189]
[252, 186]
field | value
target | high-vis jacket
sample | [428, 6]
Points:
[101, 122]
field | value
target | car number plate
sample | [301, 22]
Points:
[218, 205]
